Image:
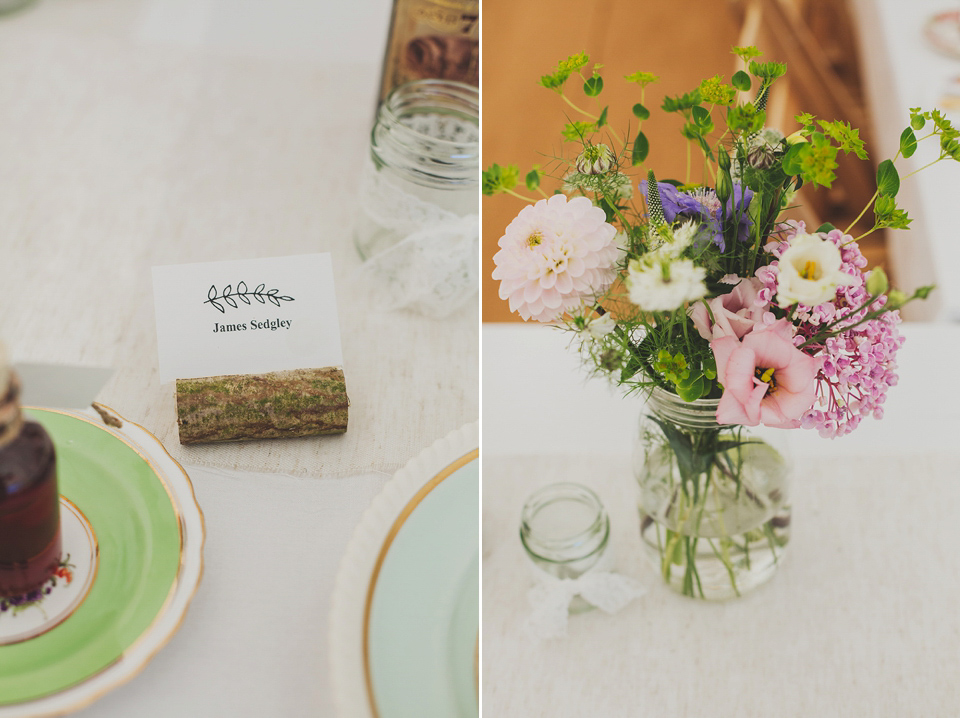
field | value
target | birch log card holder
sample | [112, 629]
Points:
[253, 347]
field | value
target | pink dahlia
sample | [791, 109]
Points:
[766, 379]
[553, 255]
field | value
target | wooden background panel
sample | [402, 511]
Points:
[681, 41]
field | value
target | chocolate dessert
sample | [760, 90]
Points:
[29, 500]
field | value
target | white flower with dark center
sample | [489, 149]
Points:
[810, 271]
[664, 285]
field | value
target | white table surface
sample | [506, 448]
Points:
[255, 639]
[860, 620]
[901, 70]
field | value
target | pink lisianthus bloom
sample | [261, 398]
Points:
[734, 314]
[766, 379]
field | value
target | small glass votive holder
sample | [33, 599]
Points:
[564, 529]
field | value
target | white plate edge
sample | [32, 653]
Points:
[348, 600]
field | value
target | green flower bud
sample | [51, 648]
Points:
[896, 299]
[723, 159]
[877, 282]
[761, 157]
[724, 187]
[595, 160]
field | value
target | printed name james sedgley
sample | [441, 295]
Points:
[272, 325]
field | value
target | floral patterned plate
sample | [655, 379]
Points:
[405, 617]
[132, 559]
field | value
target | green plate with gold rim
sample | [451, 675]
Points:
[405, 613]
[133, 568]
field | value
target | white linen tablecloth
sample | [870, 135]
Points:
[861, 619]
[138, 133]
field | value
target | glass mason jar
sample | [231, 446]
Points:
[714, 506]
[564, 529]
[425, 161]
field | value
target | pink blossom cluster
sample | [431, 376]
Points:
[858, 365]
[766, 378]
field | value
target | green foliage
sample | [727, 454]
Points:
[746, 53]
[702, 120]
[888, 215]
[888, 179]
[641, 148]
[578, 131]
[692, 389]
[533, 178]
[593, 86]
[768, 71]
[805, 119]
[713, 90]
[908, 142]
[917, 118]
[745, 119]
[814, 161]
[641, 112]
[826, 227]
[710, 366]
[673, 368]
[845, 136]
[943, 125]
[602, 120]
[681, 103]
[741, 81]
[642, 78]
[564, 69]
[950, 147]
[499, 179]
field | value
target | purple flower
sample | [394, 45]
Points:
[703, 204]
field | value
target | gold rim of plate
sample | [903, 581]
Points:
[85, 700]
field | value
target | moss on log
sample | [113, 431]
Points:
[283, 404]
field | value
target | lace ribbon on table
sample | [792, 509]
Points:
[550, 598]
[433, 268]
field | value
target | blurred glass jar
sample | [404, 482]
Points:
[13, 5]
[564, 529]
[425, 160]
[432, 39]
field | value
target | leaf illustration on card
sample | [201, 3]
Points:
[212, 298]
[230, 295]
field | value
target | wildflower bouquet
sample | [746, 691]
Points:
[702, 294]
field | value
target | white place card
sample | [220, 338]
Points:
[248, 316]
